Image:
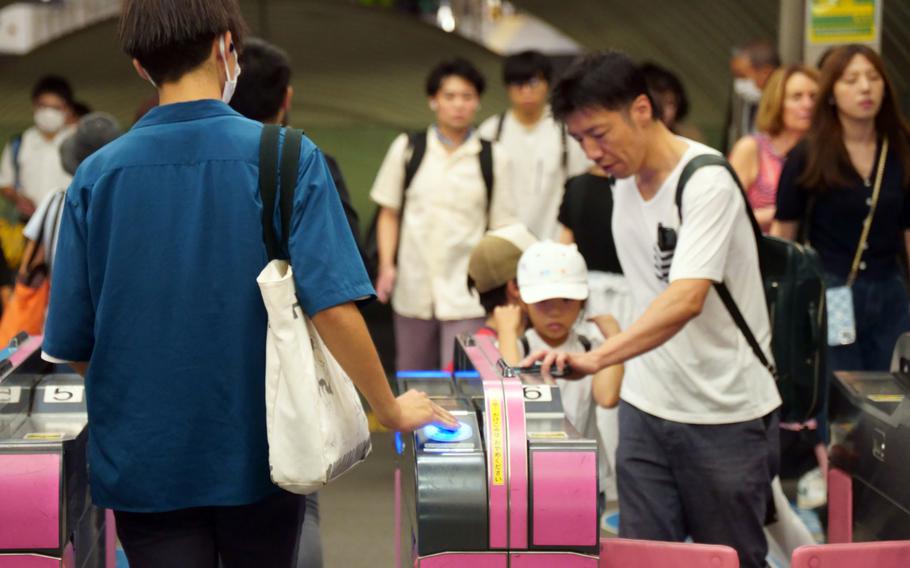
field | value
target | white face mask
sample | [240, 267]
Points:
[230, 85]
[747, 89]
[49, 120]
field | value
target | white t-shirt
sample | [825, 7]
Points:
[445, 217]
[538, 176]
[577, 396]
[707, 373]
[40, 168]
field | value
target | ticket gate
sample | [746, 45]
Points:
[870, 441]
[514, 485]
[46, 515]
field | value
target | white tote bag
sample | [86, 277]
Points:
[317, 429]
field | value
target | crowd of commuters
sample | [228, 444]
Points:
[553, 226]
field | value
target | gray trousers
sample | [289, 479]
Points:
[422, 345]
[710, 482]
[309, 545]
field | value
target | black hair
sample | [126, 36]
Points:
[170, 38]
[457, 67]
[263, 85]
[760, 53]
[662, 80]
[520, 68]
[492, 299]
[608, 79]
[81, 109]
[55, 85]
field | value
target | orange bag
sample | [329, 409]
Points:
[28, 305]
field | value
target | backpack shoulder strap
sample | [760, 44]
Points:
[499, 123]
[486, 170]
[290, 162]
[417, 143]
[268, 185]
[720, 287]
[585, 342]
[15, 146]
[564, 158]
[714, 160]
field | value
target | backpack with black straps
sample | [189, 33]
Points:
[417, 148]
[794, 286]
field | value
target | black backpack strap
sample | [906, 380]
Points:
[585, 342]
[721, 288]
[525, 345]
[727, 298]
[417, 142]
[290, 162]
[486, 170]
[417, 145]
[714, 160]
[500, 121]
[564, 158]
[268, 185]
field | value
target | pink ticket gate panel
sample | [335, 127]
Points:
[46, 515]
[514, 485]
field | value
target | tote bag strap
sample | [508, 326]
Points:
[273, 172]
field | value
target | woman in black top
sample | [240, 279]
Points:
[828, 181]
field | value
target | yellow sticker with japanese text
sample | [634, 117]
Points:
[499, 465]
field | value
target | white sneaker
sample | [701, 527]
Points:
[812, 490]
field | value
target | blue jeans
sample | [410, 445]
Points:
[711, 482]
[882, 313]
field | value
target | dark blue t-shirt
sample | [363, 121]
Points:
[155, 285]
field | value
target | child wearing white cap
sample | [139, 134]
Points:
[553, 282]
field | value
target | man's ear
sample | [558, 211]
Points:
[288, 98]
[143, 74]
[641, 110]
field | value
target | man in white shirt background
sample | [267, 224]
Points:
[698, 443]
[429, 224]
[30, 166]
[542, 154]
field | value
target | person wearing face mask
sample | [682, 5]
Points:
[30, 166]
[431, 217]
[154, 298]
[751, 65]
[784, 116]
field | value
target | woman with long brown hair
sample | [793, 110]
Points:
[784, 116]
[846, 187]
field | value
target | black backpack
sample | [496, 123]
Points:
[795, 293]
[417, 146]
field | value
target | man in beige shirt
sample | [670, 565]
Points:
[423, 252]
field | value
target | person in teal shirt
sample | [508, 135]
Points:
[154, 299]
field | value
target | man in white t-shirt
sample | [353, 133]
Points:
[542, 154]
[30, 166]
[698, 437]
